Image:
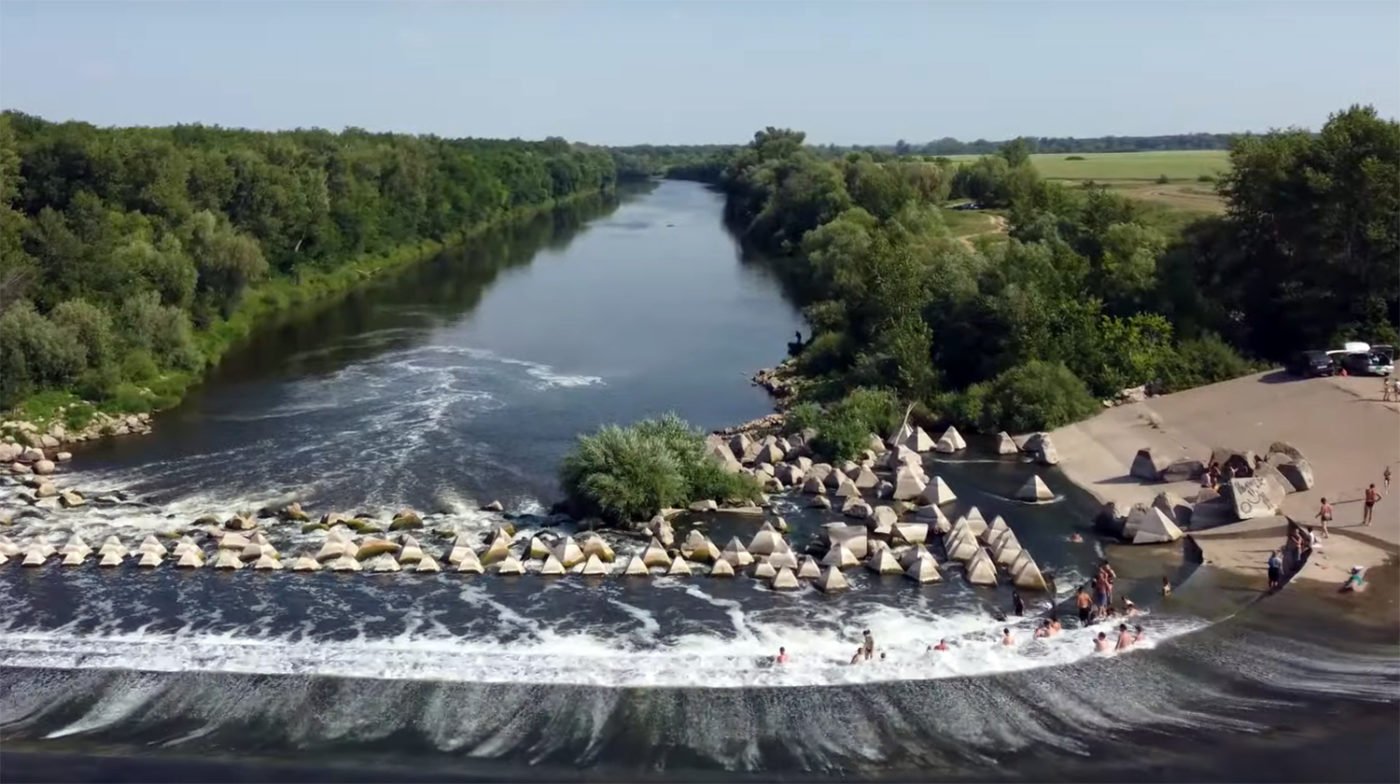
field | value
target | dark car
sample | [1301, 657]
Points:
[1311, 363]
[1368, 363]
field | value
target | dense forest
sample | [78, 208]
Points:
[1069, 144]
[126, 254]
[1087, 297]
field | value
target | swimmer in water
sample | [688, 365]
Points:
[1075, 538]
[1055, 626]
[1166, 586]
[782, 656]
[1043, 630]
[1006, 638]
[1125, 639]
[882, 655]
[941, 646]
[1129, 609]
[1137, 638]
[859, 653]
[1101, 644]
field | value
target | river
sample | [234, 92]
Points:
[465, 379]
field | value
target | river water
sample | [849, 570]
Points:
[465, 379]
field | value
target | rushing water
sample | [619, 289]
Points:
[465, 379]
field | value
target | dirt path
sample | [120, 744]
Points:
[999, 226]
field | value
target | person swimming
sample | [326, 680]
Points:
[1129, 609]
[1125, 639]
[1043, 630]
[1101, 643]
[860, 652]
[941, 646]
[1075, 538]
[1055, 626]
[1166, 586]
[782, 656]
[1138, 637]
[1006, 638]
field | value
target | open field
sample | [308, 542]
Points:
[1136, 174]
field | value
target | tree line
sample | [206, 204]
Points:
[120, 247]
[1089, 295]
[1068, 144]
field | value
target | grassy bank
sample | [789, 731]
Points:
[269, 299]
[1180, 179]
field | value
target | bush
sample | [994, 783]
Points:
[35, 353]
[1204, 360]
[826, 353]
[875, 410]
[840, 437]
[1074, 157]
[1206, 178]
[801, 417]
[1162, 179]
[1034, 396]
[632, 473]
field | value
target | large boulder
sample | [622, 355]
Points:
[1035, 491]
[814, 486]
[1285, 448]
[1042, 447]
[1298, 473]
[44, 467]
[1006, 445]
[1148, 467]
[1253, 497]
[1183, 469]
[789, 474]
[406, 520]
[721, 454]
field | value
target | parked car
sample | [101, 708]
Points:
[1311, 363]
[1361, 359]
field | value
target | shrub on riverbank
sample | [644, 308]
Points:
[1034, 396]
[844, 427]
[633, 472]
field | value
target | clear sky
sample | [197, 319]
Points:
[689, 71]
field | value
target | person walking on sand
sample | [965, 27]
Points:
[1275, 570]
[1386, 476]
[1324, 513]
[1372, 496]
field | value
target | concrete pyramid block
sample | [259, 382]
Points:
[636, 567]
[1298, 473]
[235, 542]
[919, 441]
[1006, 445]
[34, 556]
[981, 570]
[907, 555]
[152, 545]
[1008, 549]
[75, 544]
[1153, 526]
[344, 563]
[334, 548]
[594, 566]
[908, 485]
[596, 546]
[783, 560]
[994, 529]
[181, 547]
[864, 479]
[913, 533]
[961, 547]
[552, 567]
[75, 557]
[784, 580]
[763, 570]
[839, 557]
[766, 541]
[923, 569]
[950, 441]
[721, 568]
[721, 454]
[875, 444]
[846, 489]
[935, 518]
[227, 559]
[428, 565]
[1256, 496]
[975, 522]
[267, 563]
[882, 520]
[678, 568]
[305, 563]
[809, 570]
[1174, 507]
[383, 563]
[789, 475]
[901, 435]
[109, 558]
[193, 559]
[655, 556]
[852, 538]
[468, 561]
[373, 546]
[498, 551]
[881, 562]
[568, 552]
[857, 508]
[538, 550]
[1148, 467]
[741, 445]
[510, 565]
[937, 492]
[9, 549]
[149, 559]
[831, 581]
[698, 547]
[410, 552]
[1025, 574]
[813, 486]
[1035, 490]
[736, 554]
[769, 453]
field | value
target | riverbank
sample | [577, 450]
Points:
[55, 419]
[1340, 424]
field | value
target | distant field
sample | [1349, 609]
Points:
[1136, 174]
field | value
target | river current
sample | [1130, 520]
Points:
[465, 379]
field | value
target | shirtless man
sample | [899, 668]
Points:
[1139, 636]
[1372, 496]
[1324, 513]
[1006, 638]
[782, 656]
[1043, 630]
[868, 646]
[1082, 601]
[1101, 643]
[1055, 626]
[1125, 638]
[860, 652]
[941, 646]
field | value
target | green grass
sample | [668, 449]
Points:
[1137, 174]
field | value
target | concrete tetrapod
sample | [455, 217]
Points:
[678, 568]
[994, 530]
[981, 570]
[736, 554]
[636, 567]
[881, 562]
[193, 559]
[923, 569]
[814, 486]
[784, 580]
[919, 441]
[383, 563]
[333, 549]
[1026, 575]
[721, 568]
[857, 508]
[510, 565]
[655, 555]
[552, 567]
[937, 492]
[766, 541]
[1147, 466]
[468, 561]
[594, 566]
[1035, 490]
[427, 564]
[908, 554]
[908, 485]
[568, 552]
[832, 581]
[839, 557]
[864, 479]
[961, 547]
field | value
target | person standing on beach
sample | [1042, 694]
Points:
[1275, 571]
[1386, 477]
[1324, 513]
[1372, 496]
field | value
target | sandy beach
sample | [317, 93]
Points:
[1340, 424]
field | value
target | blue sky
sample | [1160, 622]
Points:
[688, 71]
